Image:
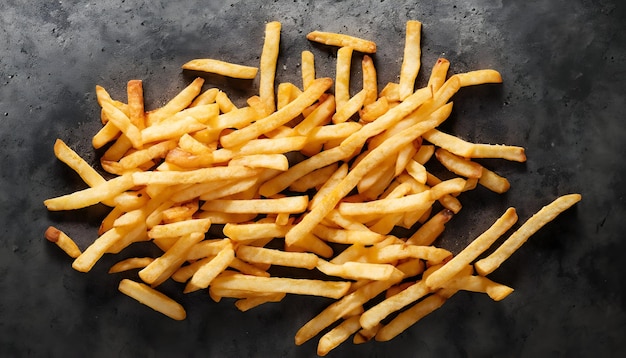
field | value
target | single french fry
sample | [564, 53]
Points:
[221, 68]
[153, 299]
[438, 74]
[373, 110]
[391, 253]
[91, 196]
[130, 264]
[331, 289]
[493, 181]
[269, 57]
[548, 213]
[292, 204]
[272, 161]
[180, 228]
[407, 203]
[337, 335]
[457, 165]
[471, 150]
[431, 229]
[409, 317]
[192, 176]
[380, 311]
[370, 80]
[276, 257]
[350, 107]
[357, 270]
[411, 61]
[248, 303]
[136, 113]
[206, 97]
[68, 156]
[313, 179]
[479, 77]
[342, 76]
[63, 241]
[342, 236]
[308, 68]
[341, 40]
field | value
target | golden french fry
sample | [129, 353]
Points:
[431, 229]
[342, 236]
[370, 80]
[342, 76]
[331, 289]
[350, 107]
[192, 176]
[269, 57]
[358, 270]
[479, 77]
[276, 257]
[130, 264]
[471, 150]
[254, 231]
[65, 154]
[488, 264]
[293, 204]
[180, 228]
[409, 317]
[493, 181]
[438, 74]
[248, 303]
[313, 179]
[221, 68]
[63, 241]
[337, 335]
[341, 40]
[307, 67]
[91, 196]
[457, 165]
[153, 299]
[206, 97]
[271, 161]
[411, 61]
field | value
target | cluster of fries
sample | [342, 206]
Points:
[200, 160]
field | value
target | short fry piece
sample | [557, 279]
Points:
[153, 299]
[341, 40]
[63, 241]
[221, 68]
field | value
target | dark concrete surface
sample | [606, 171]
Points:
[563, 64]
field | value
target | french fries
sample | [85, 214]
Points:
[331, 211]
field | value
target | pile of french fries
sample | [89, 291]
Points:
[200, 160]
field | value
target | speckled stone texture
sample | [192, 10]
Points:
[563, 64]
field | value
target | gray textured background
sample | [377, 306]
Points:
[563, 65]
